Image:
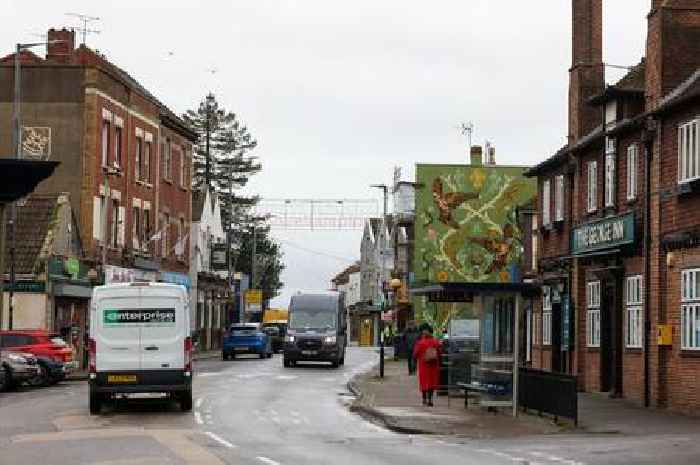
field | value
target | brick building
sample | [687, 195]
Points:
[618, 228]
[125, 157]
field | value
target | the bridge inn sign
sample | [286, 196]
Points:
[603, 234]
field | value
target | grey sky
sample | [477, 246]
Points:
[338, 92]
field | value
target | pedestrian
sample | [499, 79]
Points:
[411, 336]
[427, 353]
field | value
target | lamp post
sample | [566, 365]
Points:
[385, 192]
[17, 146]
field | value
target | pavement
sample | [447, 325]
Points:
[395, 402]
[256, 412]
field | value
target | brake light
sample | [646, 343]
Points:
[92, 356]
[188, 354]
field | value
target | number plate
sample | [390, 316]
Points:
[309, 352]
[241, 349]
[121, 378]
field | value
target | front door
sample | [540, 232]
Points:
[556, 337]
[610, 338]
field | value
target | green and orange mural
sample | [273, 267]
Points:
[466, 231]
[466, 226]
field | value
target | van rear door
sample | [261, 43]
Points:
[163, 332]
[118, 337]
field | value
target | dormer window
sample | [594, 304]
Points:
[688, 152]
[611, 113]
[609, 172]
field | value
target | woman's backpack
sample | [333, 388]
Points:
[431, 355]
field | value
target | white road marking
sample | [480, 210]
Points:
[208, 419]
[198, 403]
[220, 440]
[198, 418]
[286, 377]
[267, 461]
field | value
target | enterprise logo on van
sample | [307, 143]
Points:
[140, 315]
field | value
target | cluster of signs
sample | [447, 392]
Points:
[117, 274]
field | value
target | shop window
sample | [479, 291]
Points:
[634, 300]
[688, 152]
[546, 201]
[690, 309]
[546, 316]
[593, 314]
[632, 162]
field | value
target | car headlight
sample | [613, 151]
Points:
[289, 338]
[329, 339]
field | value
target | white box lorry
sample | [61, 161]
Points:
[140, 342]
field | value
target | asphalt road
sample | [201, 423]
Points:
[251, 411]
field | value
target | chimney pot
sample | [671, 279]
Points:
[475, 155]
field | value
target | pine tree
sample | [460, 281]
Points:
[222, 161]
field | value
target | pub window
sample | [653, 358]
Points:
[592, 185]
[559, 198]
[632, 157]
[546, 201]
[593, 314]
[546, 315]
[690, 309]
[634, 301]
[688, 152]
[610, 173]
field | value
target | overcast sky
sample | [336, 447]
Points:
[339, 92]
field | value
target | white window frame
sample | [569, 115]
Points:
[634, 292]
[546, 316]
[559, 198]
[593, 314]
[688, 151]
[106, 130]
[632, 167]
[118, 145]
[182, 166]
[592, 186]
[690, 309]
[546, 202]
[138, 158]
[610, 179]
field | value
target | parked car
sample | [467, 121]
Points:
[276, 334]
[50, 372]
[246, 338]
[17, 368]
[40, 343]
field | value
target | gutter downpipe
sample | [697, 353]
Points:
[648, 139]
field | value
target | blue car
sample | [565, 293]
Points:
[246, 338]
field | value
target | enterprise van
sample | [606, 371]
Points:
[140, 342]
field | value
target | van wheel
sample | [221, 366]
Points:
[5, 379]
[263, 354]
[287, 363]
[186, 401]
[95, 403]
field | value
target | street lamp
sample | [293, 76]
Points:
[17, 145]
[385, 191]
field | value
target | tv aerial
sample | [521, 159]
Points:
[85, 20]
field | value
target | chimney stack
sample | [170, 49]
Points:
[586, 76]
[475, 155]
[673, 46]
[491, 156]
[62, 50]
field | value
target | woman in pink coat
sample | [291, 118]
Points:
[427, 353]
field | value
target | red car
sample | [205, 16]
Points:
[39, 343]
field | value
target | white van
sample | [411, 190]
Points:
[140, 342]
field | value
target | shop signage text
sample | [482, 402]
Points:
[602, 234]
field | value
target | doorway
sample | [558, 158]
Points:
[610, 339]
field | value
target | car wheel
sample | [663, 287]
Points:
[186, 401]
[263, 354]
[342, 360]
[41, 379]
[224, 356]
[95, 403]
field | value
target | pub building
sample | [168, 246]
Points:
[628, 202]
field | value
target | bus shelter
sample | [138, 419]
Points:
[483, 337]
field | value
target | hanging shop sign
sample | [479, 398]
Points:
[219, 258]
[603, 234]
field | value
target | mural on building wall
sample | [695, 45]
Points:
[466, 223]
